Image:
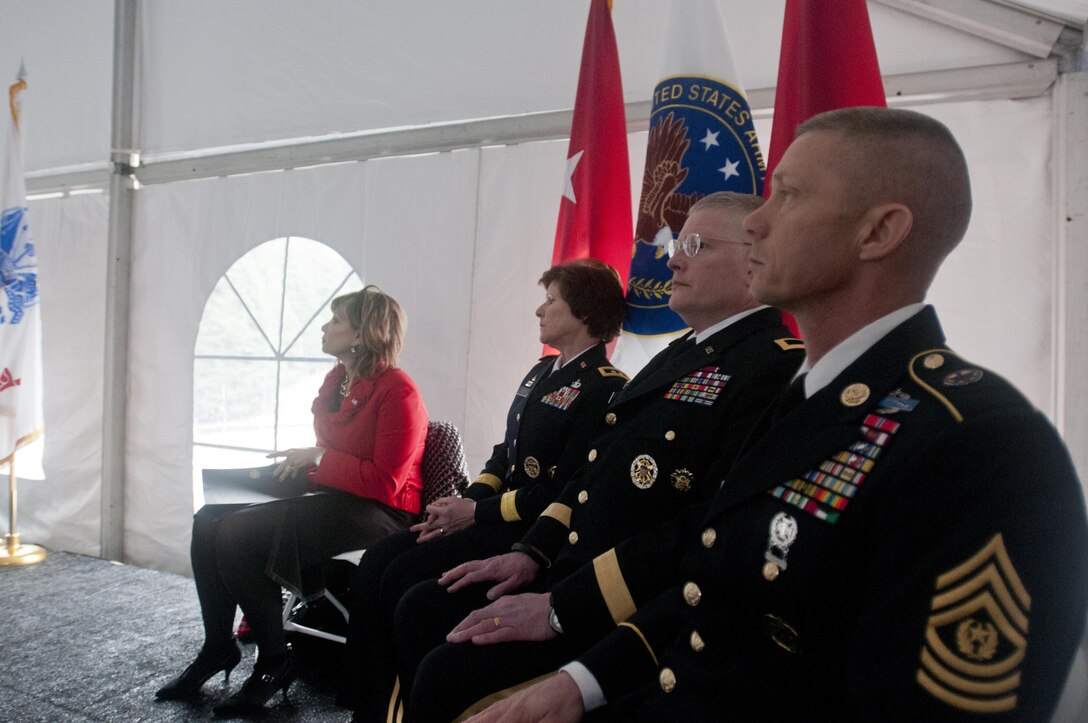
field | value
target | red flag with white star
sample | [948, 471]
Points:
[828, 61]
[595, 210]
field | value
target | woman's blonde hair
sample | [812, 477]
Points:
[380, 322]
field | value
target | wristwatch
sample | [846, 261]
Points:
[553, 620]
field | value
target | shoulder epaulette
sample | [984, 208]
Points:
[612, 372]
[928, 362]
[789, 343]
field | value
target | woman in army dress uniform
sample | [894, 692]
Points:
[548, 426]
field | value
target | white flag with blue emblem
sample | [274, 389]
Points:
[20, 313]
[702, 140]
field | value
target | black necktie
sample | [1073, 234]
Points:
[679, 347]
[794, 395]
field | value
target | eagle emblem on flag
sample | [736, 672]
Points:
[702, 140]
[18, 276]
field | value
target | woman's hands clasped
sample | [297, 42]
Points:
[296, 460]
[445, 516]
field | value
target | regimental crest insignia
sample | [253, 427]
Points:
[977, 632]
[681, 479]
[702, 140]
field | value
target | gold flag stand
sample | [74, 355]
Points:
[12, 552]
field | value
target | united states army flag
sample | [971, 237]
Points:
[20, 313]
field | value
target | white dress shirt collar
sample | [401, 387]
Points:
[714, 329]
[850, 349]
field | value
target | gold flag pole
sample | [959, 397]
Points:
[14, 553]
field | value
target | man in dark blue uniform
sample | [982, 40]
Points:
[692, 403]
[903, 538]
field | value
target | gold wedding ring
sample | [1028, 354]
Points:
[498, 623]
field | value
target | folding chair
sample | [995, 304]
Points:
[445, 473]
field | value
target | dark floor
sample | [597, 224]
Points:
[83, 639]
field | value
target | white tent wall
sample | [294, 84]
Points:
[62, 511]
[376, 215]
[460, 239]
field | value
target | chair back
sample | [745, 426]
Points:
[445, 471]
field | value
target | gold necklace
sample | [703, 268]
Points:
[345, 386]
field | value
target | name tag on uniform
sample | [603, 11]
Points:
[700, 387]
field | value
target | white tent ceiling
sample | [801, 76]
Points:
[215, 74]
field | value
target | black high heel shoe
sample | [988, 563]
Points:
[258, 689]
[188, 684]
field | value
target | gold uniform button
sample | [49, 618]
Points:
[582, 497]
[710, 536]
[610, 419]
[696, 641]
[670, 435]
[592, 455]
[933, 361]
[572, 538]
[692, 594]
[667, 679]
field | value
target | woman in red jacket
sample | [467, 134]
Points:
[365, 481]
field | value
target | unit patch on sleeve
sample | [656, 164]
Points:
[825, 492]
[699, 387]
[561, 398]
[976, 635]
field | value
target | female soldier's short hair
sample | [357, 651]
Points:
[593, 292]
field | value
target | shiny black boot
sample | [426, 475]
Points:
[261, 686]
[188, 684]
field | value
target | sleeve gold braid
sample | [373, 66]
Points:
[613, 587]
[490, 480]
[508, 506]
[559, 513]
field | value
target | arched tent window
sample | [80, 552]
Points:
[258, 361]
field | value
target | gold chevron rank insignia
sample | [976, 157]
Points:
[976, 635]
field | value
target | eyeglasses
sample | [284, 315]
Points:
[693, 242]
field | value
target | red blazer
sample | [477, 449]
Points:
[374, 443]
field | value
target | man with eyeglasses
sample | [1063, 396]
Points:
[693, 403]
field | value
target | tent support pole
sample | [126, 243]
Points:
[1071, 273]
[118, 283]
